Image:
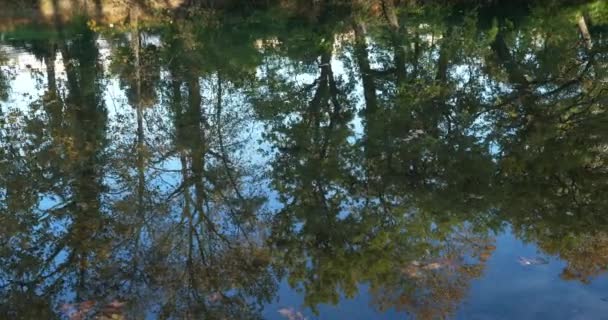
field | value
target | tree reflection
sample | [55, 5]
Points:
[434, 288]
[66, 231]
[553, 159]
[398, 141]
[117, 230]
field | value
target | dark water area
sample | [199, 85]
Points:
[360, 161]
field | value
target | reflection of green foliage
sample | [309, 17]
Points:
[147, 72]
[209, 47]
[4, 82]
[598, 11]
[40, 32]
[396, 152]
[31, 33]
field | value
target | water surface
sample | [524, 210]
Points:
[282, 163]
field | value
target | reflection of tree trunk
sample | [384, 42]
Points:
[514, 71]
[582, 27]
[198, 145]
[416, 57]
[53, 103]
[98, 8]
[317, 9]
[388, 8]
[442, 63]
[136, 49]
[369, 89]
[328, 93]
[389, 12]
[141, 178]
[432, 126]
[140, 158]
[49, 61]
[185, 181]
[176, 95]
[56, 17]
[320, 96]
[399, 60]
[187, 215]
[70, 71]
[369, 86]
[84, 123]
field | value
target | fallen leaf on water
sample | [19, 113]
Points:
[484, 256]
[116, 304]
[412, 271]
[490, 247]
[432, 266]
[532, 261]
[78, 311]
[214, 297]
[291, 314]
[83, 310]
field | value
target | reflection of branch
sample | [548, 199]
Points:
[334, 114]
[41, 278]
[383, 73]
[516, 96]
[210, 224]
[58, 207]
[223, 152]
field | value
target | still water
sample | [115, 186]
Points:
[343, 163]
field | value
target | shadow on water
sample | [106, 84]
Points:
[359, 161]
